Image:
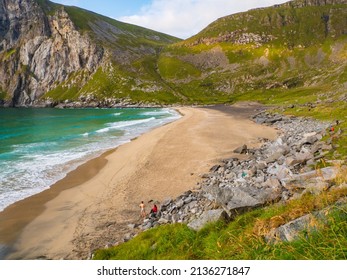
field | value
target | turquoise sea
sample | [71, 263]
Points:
[40, 146]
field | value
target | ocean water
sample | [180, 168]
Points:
[38, 147]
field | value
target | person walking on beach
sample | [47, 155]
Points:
[142, 209]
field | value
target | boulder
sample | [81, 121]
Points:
[272, 183]
[261, 165]
[274, 120]
[274, 157]
[244, 197]
[162, 221]
[327, 174]
[215, 168]
[289, 231]
[310, 139]
[303, 157]
[241, 201]
[179, 203]
[209, 216]
[280, 171]
[291, 161]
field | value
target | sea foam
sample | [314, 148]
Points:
[28, 168]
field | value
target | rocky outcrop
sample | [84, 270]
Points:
[303, 225]
[236, 37]
[40, 50]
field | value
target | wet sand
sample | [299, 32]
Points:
[95, 203]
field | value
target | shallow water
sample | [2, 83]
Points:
[40, 146]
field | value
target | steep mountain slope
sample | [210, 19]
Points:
[52, 52]
[298, 45]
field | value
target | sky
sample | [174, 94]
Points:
[180, 18]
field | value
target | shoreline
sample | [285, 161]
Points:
[82, 209]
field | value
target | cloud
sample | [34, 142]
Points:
[184, 18]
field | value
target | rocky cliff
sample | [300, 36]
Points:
[43, 44]
[40, 50]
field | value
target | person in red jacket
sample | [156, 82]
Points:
[154, 211]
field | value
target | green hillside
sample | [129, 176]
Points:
[270, 49]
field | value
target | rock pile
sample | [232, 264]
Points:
[183, 209]
[269, 174]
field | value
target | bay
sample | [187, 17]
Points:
[38, 147]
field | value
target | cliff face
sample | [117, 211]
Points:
[46, 47]
[39, 50]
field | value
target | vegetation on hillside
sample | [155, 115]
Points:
[244, 238]
[276, 48]
[246, 55]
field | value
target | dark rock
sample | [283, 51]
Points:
[215, 168]
[241, 150]
[273, 120]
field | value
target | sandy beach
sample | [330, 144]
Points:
[97, 202]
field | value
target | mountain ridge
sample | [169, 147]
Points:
[268, 49]
[79, 57]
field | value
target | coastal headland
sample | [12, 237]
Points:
[101, 198]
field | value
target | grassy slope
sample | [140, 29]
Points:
[304, 51]
[244, 237]
[134, 77]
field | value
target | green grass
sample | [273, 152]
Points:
[140, 83]
[174, 68]
[291, 27]
[9, 53]
[48, 6]
[62, 93]
[3, 94]
[244, 237]
[281, 97]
